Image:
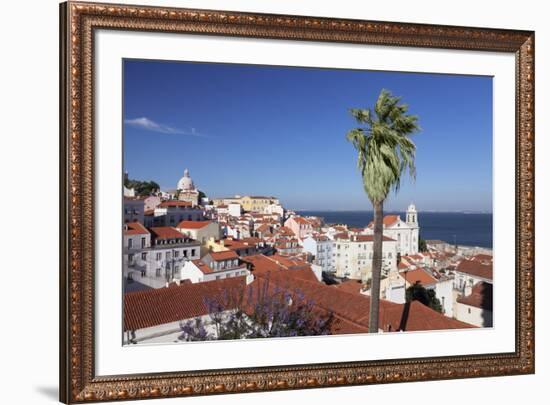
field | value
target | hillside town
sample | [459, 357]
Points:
[183, 249]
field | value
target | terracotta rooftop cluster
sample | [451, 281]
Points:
[349, 307]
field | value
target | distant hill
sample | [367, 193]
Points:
[142, 188]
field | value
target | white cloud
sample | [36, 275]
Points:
[150, 125]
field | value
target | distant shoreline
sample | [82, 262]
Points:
[464, 229]
[397, 211]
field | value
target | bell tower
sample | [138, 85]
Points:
[412, 215]
[412, 222]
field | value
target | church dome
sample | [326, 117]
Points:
[186, 183]
[411, 207]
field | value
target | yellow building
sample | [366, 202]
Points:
[248, 203]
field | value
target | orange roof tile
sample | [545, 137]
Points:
[144, 309]
[418, 275]
[225, 255]
[476, 268]
[350, 309]
[206, 269]
[135, 228]
[174, 203]
[481, 296]
[193, 224]
[166, 232]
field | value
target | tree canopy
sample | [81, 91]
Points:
[142, 188]
[263, 312]
[385, 150]
[417, 292]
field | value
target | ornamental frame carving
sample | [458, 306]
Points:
[78, 381]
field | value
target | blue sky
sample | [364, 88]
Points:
[262, 130]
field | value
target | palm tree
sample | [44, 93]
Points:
[385, 152]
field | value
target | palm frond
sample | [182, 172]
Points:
[384, 148]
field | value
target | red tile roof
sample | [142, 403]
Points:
[251, 241]
[475, 268]
[352, 286]
[301, 220]
[135, 228]
[350, 309]
[174, 203]
[144, 309]
[166, 232]
[354, 307]
[225, 255]
[402, 266]
[418, 275]
[483, 258]
[193, 224]
[388, 220]
[262, 265]
[263, 228]
[481, 296]
[283, 230]
[206, 269]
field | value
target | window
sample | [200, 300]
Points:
[130, 243]
[176, 253]
[157, 272]
[143, 242]
[130, 257]
[144, 256]
[159, 256]
[193, 252]
[469, 310]
[185, 253]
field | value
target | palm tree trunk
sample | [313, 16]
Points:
[376, 268]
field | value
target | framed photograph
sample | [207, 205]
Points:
[255, 202]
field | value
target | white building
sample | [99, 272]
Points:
[392, 288]
[321, 247]
[406, 233]
[155, 256]
[172, 212]
[234, 209]
[353, 255]
[476, 307]
[275, 209]
[470, 272]
[133, 209]
[197, 271]
[201, 231]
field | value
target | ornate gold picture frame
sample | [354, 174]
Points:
[78, 379]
